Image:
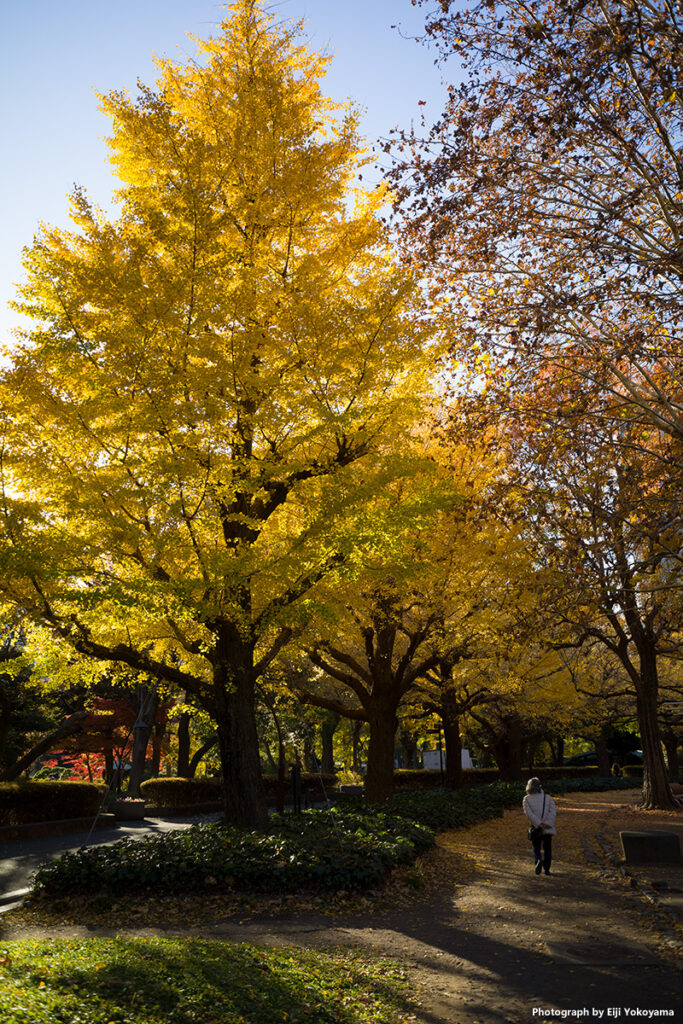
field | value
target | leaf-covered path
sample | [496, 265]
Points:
[486, 940]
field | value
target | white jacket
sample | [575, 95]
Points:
[533, 804]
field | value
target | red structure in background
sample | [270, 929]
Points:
[99, 751]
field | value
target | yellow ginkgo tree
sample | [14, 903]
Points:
[185, 423]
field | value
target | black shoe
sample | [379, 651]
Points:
[548, 871]
[539, 867]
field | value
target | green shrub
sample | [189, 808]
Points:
[480, 776]
[179, 792]
[456, 808]
[416, 778]
[441, 808]
[569, 771]
[176, 792]
[314, 850]
[26, 801]
[316, 784]
[428, 778]
[597, 784]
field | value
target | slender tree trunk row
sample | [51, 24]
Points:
[603, 758]
[656, 791]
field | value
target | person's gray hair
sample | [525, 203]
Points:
[533, 785]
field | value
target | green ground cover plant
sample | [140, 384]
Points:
[188, 981]
[440, 809]
[316, 850]
[350, 847]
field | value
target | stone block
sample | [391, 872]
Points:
[651, 847]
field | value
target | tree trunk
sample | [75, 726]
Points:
[310, 757]
[557, 751]
[243, 789]
[355, 746]
[281, 766]
[453, 743]
[671, 747]
[6, 709]
[656, 792]
[183, 767]
[281, 787]
[109, 760]
[602, 752]
[157, 740]
[379, 781]
[407, 742]
[486, 756]
[272, 764]
[508, 751]
[199, 754]
[328, 728]
[142, 730]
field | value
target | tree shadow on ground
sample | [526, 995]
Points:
[191, 981]
[494, 975]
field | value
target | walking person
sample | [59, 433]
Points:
[540, 809]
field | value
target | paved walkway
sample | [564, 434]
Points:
[20, 858]
[494, 944]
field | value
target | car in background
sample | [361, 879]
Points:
[590, 757]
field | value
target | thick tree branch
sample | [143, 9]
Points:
[70, 726]
[331, 704]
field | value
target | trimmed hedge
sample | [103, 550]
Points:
[569, 771]
[430, 778]
[416, 778]
[598, 784]
[176, 792]
[480, 776]
[180, 792]
[25, 801]
[316, 784]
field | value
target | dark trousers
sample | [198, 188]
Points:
[547, 843]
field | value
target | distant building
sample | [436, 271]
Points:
[432, 759]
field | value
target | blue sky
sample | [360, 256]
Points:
[55, 54]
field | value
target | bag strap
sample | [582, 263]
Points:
[543, 807]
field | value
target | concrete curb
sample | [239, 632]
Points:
[11, 900]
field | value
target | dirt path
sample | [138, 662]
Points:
[502, 944]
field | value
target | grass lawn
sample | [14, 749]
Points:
[190, 981]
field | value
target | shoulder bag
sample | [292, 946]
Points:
[535, 832]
